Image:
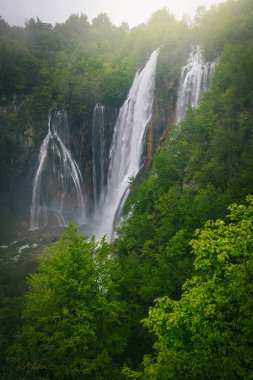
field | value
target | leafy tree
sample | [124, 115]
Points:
[207, 334]
[77, 25]
[41, 39]
[71, 329]
[18, 69]
[72, 316]
[228, 22]
[4, 27]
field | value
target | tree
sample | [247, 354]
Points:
[72, 317]
[207, 334]
[4, 27]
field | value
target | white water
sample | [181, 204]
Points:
[195, 80]
[127, 148]
[57, 187]
[98, 153]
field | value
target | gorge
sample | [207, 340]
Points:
[126, 220]
[111, 169]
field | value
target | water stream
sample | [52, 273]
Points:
[127, 148]
[57, 196]
[98, 153]
[195, 80]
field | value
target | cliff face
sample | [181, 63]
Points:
[17, 155]
[23, 130]
[83, 150]
[22, 133]
[171, 60]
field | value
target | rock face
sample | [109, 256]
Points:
[23, 130]
[22, 134]
[17, 143]
[90, 144]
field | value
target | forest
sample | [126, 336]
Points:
[171, 297]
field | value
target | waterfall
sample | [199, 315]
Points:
[98, 153]
[127, 147]
[57, 195]
[195, 80]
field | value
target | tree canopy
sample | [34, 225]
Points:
[169, 299]
[207, 334]
[72, 316]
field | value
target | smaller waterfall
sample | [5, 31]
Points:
[195, 80]
[57, 195]
[98, 152]
[127, 147]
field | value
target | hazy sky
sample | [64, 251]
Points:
[134, 12]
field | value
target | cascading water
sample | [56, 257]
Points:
[98, 152]
[195, 80]
[57, 187]
[127, 147]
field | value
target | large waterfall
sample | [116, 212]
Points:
[57, 187]
[127, 147]
[195, 80]
[99, 152]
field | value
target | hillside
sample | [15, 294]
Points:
[170, 297]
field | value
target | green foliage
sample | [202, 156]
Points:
[18, 68]
[202, 166]
[228, 22]
[196, 174]
[207, 334]
[10, 320]
[82, 313]
[72, 317]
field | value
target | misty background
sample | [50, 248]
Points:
[134, 12]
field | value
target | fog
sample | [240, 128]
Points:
[134, 12]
